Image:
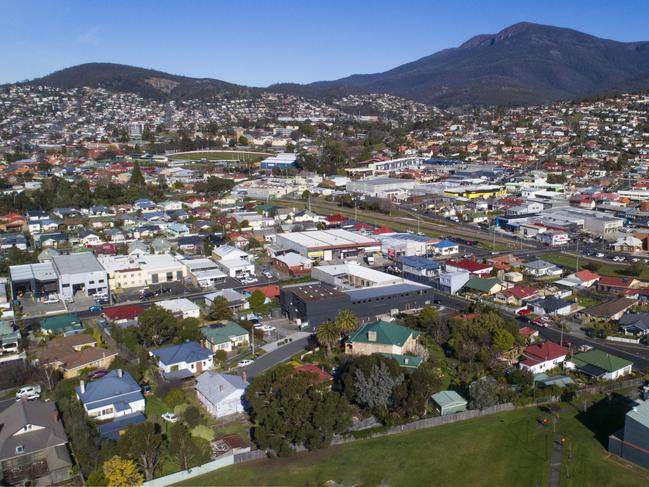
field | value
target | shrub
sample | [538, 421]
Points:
[174, 398]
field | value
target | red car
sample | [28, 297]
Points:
[97, 374]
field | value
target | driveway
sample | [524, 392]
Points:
[275, 357]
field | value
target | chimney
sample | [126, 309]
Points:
[220, 387]
[82, 387]
[244, 376]
[120, 373]
[371, 336]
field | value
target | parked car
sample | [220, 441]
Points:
[51, 300]
[95, 308]
[29, 392]
[169, 417]
[267, 274]
[245, 363]
[146, 389]
[97, 374]
[146, 294]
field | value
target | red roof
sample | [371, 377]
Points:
[586, 275]
[337, 218]
[382, 230]
[271, 291]
[469, 265]
[126, 312]
[526, 331]
[541, 352]
[520, 292]
[312, 369]
[622, 282]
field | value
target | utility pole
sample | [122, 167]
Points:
[578, 254]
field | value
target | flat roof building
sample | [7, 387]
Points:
[327, 245]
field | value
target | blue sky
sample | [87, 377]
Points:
[260, 42]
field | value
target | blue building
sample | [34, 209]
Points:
[282, 161]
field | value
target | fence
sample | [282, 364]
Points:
[614, 386]
[622, 339]
[223, 461]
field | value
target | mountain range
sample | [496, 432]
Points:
[523, 64]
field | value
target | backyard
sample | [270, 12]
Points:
[505, 449]
[223, 156]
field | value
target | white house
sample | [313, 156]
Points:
[599, 364]
[541, 357]
[221, 394]
[188, 357]
[113, 396]
[181, 306]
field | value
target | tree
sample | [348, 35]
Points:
[346, 322]
[293, 408]
[219, 309]
[175, 397]
[192, 416]
[183, 447]
[243, 140]
[121, 472]
[143, 443]
[137, 178]
[374, 390]
[257, 299]
[156, 326]
[503, 340]
[483, 393]
[328, 334]
[189, 329]
[220, 355]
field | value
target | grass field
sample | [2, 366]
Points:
[223, 156]
[604, 269]
[507, 449]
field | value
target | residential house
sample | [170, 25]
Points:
[541, 268]
[614, 284]
[516, 295]
[452, 282]
[608, 311]
[89, 238]
[489, 286]
[627, 244]
[74, 353]
[388, 339]
[599, 364]
[33, 445]
[182, 307]
[419, 269]
[237, 302]
[551, 306]
[446, 248]
[224, 336]
[222, 395]
[183, 360]
[114, 396]
[636, 324]
[123, 314]
[160, 245]
[541, 357]
[474, 268]
[581, 279]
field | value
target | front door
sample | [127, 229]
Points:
[199, 367]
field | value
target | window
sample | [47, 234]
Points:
[91, 282]
[20, 448]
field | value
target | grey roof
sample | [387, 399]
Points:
[231, 296]
[38, 272]
[35, 413]
[447, 399]
[216, 387]
[539, 264]
[76, 263]
[375, 292]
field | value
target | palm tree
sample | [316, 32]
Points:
[347, 322]
[327, 334]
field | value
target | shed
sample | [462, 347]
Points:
[449, 402]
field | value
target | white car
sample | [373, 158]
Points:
[267, 275]
[28, 392]
[51, 300]
[266, 328]
[245, 363]
[170, 417]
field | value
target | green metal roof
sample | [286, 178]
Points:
[448, 399]
[386, 333]
[405, 360]
[61, 322]
[599, 359]
[482, 285]
[221, 333]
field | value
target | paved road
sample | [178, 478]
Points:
[275, 357]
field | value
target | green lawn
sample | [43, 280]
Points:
[604, 269]
[507, 449]
[222, 156]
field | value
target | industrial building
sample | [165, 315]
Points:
[80, 272]
[388, 188]
[281, 161]
[327, 245]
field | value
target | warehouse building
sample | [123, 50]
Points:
[327, 245]
[80, 272]
[388, 188]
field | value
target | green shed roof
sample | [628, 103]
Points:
[221, 333]
[600, 359]
[482, 285]
[404, 360]
[61, 322]
[448, 399]
[386, 333]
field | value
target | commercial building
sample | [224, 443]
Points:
[282, 161]
[632, 441]
[326, 245]
[128, 271]
[398, 244]
[80, 273]
[38, 279]
[473, 192]
[387, 188]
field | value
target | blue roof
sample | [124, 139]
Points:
[185, 352]
[419, 262]
[111, 430]
[108, 389]
[444, 244]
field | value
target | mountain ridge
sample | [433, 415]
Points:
[523, 64]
